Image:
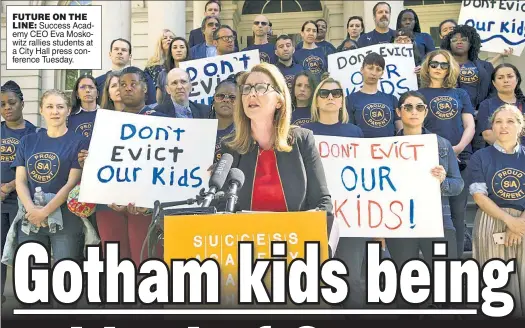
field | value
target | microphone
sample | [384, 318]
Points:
[218, 178]
[235, 182]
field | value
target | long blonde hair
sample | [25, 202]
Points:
[452, 74]
[520, 118]
[243, 140]
[159, 57]
[314, 109]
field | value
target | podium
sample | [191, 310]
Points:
[217, 235]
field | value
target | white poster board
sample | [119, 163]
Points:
[398, 77]
[206, 73]
[383, 187]
[140, 159]
[500, 24]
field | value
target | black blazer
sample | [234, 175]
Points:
[198, 110]
[197, 37]
[301, 171]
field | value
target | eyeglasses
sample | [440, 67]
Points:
[229, 38]
[220, 97]
[260, 23]
[212, 24]
[324, 93]
[436, 64]
[419, 107]
[260, 88]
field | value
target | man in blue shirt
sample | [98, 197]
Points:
[382, 32]
[284, 51]
[212, 8]
[260, 28]
[207, 48]
[120, 55]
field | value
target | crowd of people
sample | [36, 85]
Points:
[267, 119]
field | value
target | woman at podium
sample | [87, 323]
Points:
[281, 164]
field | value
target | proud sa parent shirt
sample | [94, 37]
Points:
[373, 113]
[503, 174]
[47, 160]
[445, 110]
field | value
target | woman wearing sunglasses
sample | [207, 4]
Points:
[451, 117]
[412, 110]
[222, 109]
[328, 112]
[282, 167]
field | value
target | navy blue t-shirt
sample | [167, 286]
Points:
[504, 175]
[487, 108]
[10, 144]
[338, 129]
[373, 37]
[469, 80]
[48, 161]
[445, 109]
[313, 60]
[301, 115]
[220, 135]
[266, 52]
[82, 122]
[327, 47]
[374, 114]
[424, 44]
[289, 73]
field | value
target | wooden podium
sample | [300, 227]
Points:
[217, 235]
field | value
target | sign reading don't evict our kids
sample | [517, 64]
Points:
[140, 159]
[206, 73]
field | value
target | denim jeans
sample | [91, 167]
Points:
[67, 243]
[8, 216]
[458, 210]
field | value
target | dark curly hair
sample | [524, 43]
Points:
[229, 80]
[417, 27]
[473, 39]
[517, 91]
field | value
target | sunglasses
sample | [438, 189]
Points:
[336, 93]
[212, 24]
[419, 107]
[436, 64]
[220, 97]
[260, 23]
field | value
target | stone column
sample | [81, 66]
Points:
[165, 14]
[397, 7]
[198, 13]
[116, 23]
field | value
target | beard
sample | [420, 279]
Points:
[383, 22]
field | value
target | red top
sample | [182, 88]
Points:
[267, 193]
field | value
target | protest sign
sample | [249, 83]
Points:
[398, 78]
[140, 159]
[206, 73]
[217, 237]
[500, 24]
[383, 187]
[54, 37]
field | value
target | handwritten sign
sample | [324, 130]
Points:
[140, 159]
[500, 24]
[206, 73]
[383, 187]
[217, 236]
[398, 78]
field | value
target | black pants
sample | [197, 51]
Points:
[405, 249]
